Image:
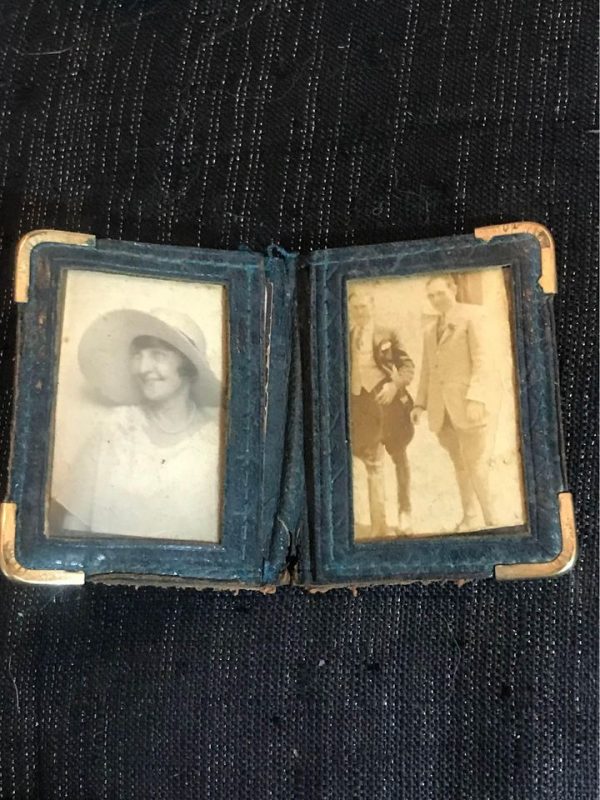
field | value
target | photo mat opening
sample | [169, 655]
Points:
[434, 426]
[138, 441]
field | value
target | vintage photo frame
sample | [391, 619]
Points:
[545, 544]
[258, 323]
[288, 498]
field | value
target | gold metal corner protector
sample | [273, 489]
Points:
[33, 239]
[547, 279]
[17, 572]
[563, 562]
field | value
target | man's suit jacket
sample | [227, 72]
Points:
[454, 368]
[397, 426]
[387, 352]
[389, 424]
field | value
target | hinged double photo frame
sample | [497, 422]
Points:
[354, 416]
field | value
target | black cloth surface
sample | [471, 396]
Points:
[311, 124]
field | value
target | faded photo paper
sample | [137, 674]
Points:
[140, 409]
[434, 428]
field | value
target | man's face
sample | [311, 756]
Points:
[441, 295]
[361, 310]
[157, 370]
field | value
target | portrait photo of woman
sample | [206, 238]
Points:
[150, 403]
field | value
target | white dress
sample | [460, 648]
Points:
[125, 483]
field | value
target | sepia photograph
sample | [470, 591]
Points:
[140, 409]
[434, 425]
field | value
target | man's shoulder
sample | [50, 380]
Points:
[469, 312]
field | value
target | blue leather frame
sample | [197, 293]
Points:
[260, 304]
[337, 558]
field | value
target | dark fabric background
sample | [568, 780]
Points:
[312, 124]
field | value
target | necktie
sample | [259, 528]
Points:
[441, 327]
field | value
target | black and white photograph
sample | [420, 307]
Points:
[140, 409]
[434, 428]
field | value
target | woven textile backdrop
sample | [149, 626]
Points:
[312, 124]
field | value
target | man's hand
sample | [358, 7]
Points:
[475, 411]
[416, 414]
[387, 393]
[395, 376]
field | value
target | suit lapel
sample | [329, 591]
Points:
[448, 330]
[431, 341]
[445, 335]
[377, 339]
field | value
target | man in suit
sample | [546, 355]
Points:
[453, 389]
[380, 407]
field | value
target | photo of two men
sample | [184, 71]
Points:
[433, 415]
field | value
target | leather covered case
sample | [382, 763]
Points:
[291, 500]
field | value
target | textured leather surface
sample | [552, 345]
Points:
[313, 124]
[339, 558]
[260, 318]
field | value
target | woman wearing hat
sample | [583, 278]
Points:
[153, 468]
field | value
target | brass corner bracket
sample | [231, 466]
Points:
[547, 279]
[17, 572]
[563, 562]
[33, 239]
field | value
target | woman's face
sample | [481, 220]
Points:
[157, 370]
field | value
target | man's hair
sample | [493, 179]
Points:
[186, 368]
[447, 277]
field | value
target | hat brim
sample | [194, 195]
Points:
[105, 357]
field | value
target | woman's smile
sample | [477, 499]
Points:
[158, 372]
